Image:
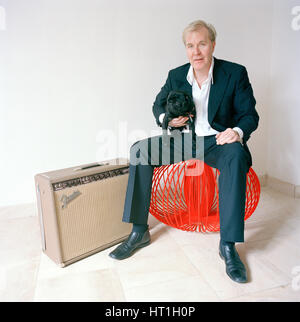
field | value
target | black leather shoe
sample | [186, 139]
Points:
[235, 269]
[134, 241]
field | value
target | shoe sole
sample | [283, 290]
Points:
[133, 251]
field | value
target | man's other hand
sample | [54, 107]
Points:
[227, 136]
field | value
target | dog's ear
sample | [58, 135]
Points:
[189, 100]
[187, 97]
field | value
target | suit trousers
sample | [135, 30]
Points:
[230, 159]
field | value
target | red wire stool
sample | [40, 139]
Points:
[185, 195]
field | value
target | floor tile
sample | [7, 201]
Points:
[284, 293]
[189, 289]
[142, 270]
[261, 273]
[98, 285]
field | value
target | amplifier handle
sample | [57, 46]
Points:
[90, 166]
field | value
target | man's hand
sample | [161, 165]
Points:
[179, 121]
[227, 136]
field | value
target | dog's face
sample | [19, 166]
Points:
[179, 104]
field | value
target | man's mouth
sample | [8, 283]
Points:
[198, 59]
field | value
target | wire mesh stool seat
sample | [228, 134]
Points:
[185, 196]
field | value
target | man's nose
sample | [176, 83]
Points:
[197, 50]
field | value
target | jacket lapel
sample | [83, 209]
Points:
[181, 82]
[217, 89]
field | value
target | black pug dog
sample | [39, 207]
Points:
[179, 104]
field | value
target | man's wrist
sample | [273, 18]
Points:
[239, 132]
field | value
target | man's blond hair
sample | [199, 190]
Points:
[198, 24]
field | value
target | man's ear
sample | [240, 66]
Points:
[213, 45]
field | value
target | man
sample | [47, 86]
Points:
[225, 119]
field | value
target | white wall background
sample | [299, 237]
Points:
[284, 111]
[74, 71]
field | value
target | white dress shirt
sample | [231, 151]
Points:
[200, 98]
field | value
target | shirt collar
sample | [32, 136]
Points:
[190, 74]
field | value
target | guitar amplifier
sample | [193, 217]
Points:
[80, 209]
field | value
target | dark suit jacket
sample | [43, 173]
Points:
[231, 102]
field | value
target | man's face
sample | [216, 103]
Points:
[199, 49]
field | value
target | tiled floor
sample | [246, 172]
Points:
[176, 266]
